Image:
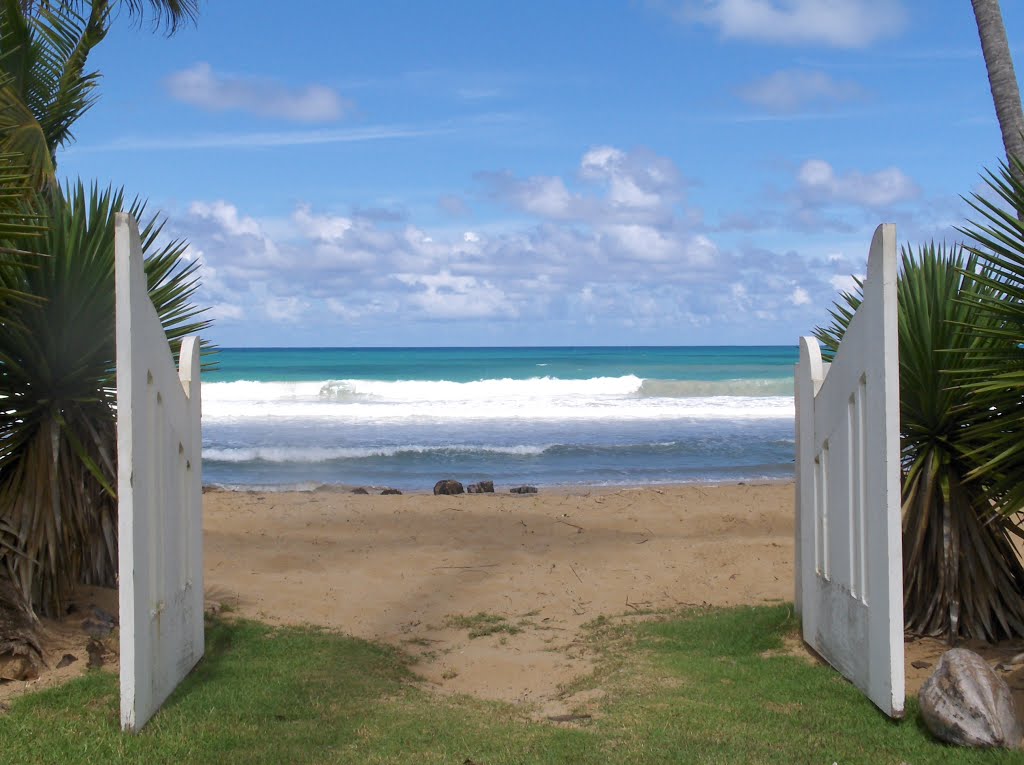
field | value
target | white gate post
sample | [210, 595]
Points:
[849, 559]
[159, 486]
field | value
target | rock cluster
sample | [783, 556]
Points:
[448, 486]
[451, 486]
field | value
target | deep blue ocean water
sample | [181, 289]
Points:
[408, 417]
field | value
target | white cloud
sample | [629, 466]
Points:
[637, 180]
[547, 197]
[645, 242]
[224, 312]
[328, 228]
[791, 89]
[819, 183]
[631, 188]
[267, 140]
[288, 309]
[845, 282]
[227, 217]
[200, 86]
[448, 296]
[833, 23]
[593, 254]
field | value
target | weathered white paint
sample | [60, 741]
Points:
[849, 563]
[159, 495]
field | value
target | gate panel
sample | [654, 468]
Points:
[849, 560]
[159, 485]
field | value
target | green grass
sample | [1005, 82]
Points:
[691, 688]
[483, 624]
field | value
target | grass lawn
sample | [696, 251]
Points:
[690, 687]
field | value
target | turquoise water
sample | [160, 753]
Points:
[468, 364]
[407, 417]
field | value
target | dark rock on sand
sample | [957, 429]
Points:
[18, 667]
[448, 486]
[966, 703]
[360, 490]
[390, 491]
[483, 487]
[96, 650]
[99, 624]
[524, 490]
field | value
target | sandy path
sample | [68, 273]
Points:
[403, 569]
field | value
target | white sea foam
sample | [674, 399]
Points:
[325, 454]
[539, 398]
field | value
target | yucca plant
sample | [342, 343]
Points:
[998, 243]
[58, 389]
[962, 577]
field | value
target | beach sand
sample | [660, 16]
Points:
[404, 569]
[418, 570]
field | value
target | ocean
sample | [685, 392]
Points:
[297, 418]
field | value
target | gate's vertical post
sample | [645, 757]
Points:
[159, 484]
[849, 559]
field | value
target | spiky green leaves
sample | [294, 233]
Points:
[998, 243]
[58, 388]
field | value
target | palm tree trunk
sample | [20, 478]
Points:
[1003, 82]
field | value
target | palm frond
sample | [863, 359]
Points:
[45, 88]
[166, 14]
[997, 241]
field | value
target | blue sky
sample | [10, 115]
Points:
[542, 173]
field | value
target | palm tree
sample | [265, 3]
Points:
[998, 243]
[57, 437]
[1001, 78]
[58, 510]
[169, 14]
[44, 46]
[45, 86]
[962, 577]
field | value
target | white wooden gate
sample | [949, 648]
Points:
[849, 563]
[160, 522]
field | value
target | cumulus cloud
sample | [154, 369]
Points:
[635, 180]
[788, 90]
[819, 183]
[327, 228]
[846, 282]
[226, 216]
[201, 86]
[586, 251]
[833, 23]
[287, 309]
[448, 296]
[635, 187]
[224, 312]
